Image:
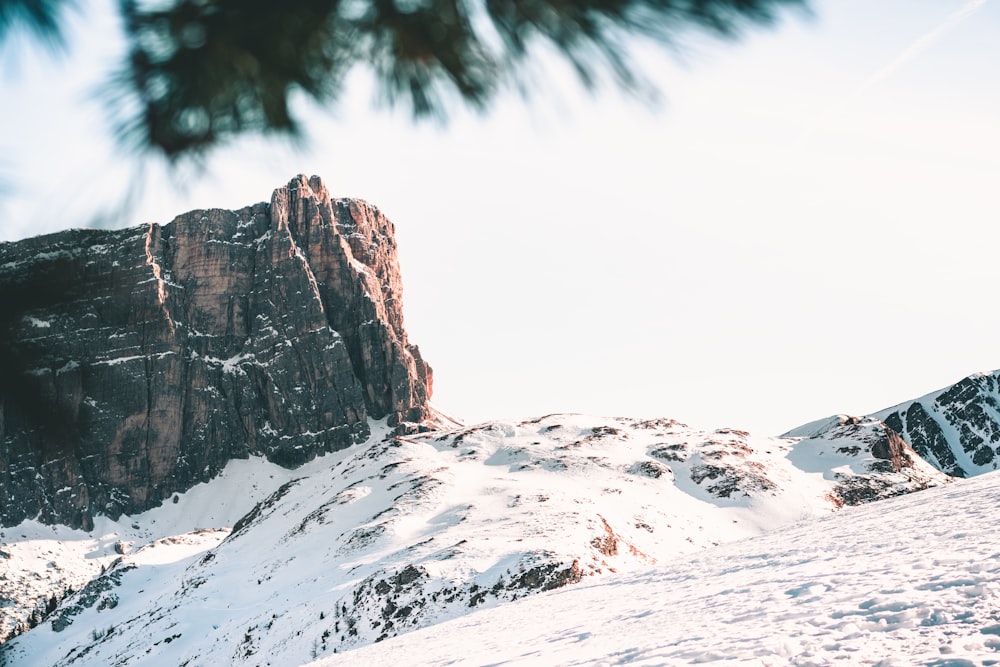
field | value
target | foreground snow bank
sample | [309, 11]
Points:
[913, 580]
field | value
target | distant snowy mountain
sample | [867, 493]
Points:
[908, 581]
[955, 429]
[406, 532]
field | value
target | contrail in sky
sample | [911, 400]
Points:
[919, 46]
[909, 53]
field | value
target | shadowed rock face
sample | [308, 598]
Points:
[137, 363]
[957, 428]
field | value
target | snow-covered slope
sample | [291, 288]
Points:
[907, 581]
[955, 429]
[40, 564]
[407, 532]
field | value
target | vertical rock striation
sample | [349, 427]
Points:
[137, 363]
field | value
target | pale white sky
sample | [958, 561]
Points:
[807, 225]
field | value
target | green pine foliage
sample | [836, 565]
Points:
[200, 72]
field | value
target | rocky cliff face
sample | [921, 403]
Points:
[136, 363]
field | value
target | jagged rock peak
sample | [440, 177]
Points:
[135, 363]
[396, 381]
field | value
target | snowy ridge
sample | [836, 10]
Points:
[407, 532]
[931, 397]
[956, 429]
[906, 581]
[816, 428]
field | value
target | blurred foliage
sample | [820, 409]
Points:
[199, 72]
[42, 17]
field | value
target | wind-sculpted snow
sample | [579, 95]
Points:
[407, 532]
[908, 581]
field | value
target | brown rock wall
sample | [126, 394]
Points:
[137, 362]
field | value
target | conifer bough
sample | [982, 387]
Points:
[199, 72]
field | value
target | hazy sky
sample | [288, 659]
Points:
[807, 225]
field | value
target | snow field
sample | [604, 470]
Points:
[913, 580]
[399, 534]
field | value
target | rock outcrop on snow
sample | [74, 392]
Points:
[136, 363]
[955, 429]
[885, 465]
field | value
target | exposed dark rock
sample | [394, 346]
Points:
[100, 591]
[385, 605]
[858, 490]
[729, 480]
[260, 510]
[884, 466]
[722, 468]
[547, 577]
[650, 469]
[675, 452]
[607, 542]
[890, 447]
[136, 363]
[956, 429]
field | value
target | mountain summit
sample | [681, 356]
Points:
[138, 362]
